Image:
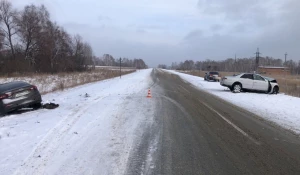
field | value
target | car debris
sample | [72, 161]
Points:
[87, 95]
[50, 106]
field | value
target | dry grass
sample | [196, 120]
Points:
[289, 85]
[49, 83]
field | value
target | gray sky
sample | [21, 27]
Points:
[165, 31]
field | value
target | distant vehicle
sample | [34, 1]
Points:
[16, 95]
[251, 82]
[212, 76]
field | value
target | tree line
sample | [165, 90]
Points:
[31, 42]
[234, 65]
[108, 60]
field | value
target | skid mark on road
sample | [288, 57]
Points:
[176, 104]
[184, 89]
[230, 123]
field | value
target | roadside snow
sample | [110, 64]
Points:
[281, 109]
[92, 131]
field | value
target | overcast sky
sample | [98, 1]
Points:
[165, 31]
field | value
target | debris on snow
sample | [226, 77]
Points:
[87, 95]
[50, 105]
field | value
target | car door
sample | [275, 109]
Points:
[247, 81]
[260, 83]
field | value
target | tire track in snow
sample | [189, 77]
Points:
[37, 161]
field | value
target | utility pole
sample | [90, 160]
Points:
[285, 55]
[120, 67]
[285, 58]
[235, 64]
[257, 59]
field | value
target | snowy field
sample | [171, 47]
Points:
[92, 132]
[281, 109]
[115, 68]
[49, 83]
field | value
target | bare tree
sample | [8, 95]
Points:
[108, 60]
[2, 37]
[55, 43]
[29, 30]
[88, 55]
[8, 19]
[162, 66]
[139, 64]
[42, 45]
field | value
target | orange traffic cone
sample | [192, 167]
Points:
[149, 94]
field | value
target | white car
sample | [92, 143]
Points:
[251, 82]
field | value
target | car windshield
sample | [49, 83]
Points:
[214, 73]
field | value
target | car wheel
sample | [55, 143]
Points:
[276, 90]
[2, 112]
[37, 106]
[237, 88]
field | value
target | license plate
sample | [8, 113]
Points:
[21, 94]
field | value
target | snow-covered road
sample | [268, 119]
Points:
[280, 109]
[98, 125]
[92, 132]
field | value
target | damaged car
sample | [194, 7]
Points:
[250, 82]
[18, 94]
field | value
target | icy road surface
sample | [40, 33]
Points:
[92, 132]
[281, 109]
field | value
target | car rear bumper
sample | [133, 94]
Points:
[23, 103]
[210, 78]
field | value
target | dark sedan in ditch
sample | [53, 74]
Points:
[16, 95]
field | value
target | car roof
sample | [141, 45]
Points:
[12, 85]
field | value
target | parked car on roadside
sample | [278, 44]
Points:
[212, 76]
[16, 95]
[251, 82]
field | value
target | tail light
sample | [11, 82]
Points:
[3, 96]
[33, 88]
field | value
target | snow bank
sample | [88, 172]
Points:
[282, 109]
[92, 132]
